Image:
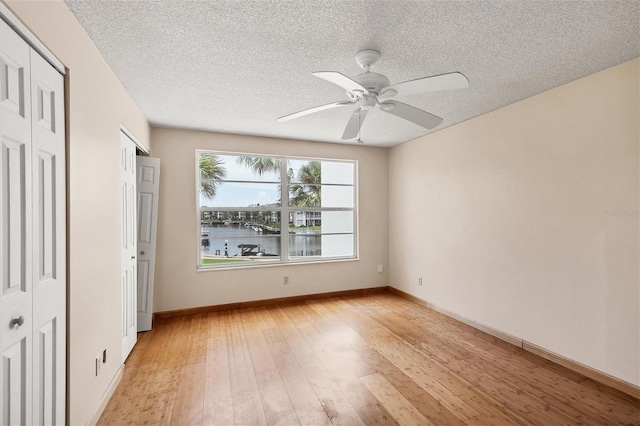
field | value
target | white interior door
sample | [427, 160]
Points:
[148, 180]
[128, 276]
[32, 237]
[49, 242]
[16, 257]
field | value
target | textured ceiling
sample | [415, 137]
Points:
[236, 66]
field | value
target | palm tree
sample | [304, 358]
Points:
[307, 192]
[212, 172]
[260, 165]
[303, 194]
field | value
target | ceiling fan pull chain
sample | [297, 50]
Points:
[359, 126]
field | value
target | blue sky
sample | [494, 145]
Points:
[243, 194]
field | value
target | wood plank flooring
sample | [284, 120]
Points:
[377, 359]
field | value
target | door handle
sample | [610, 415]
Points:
[16, 322]
[133, 258]
[141, 252]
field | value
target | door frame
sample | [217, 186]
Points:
[143, 152]
[135, 140]
[7, 15]
[10, 18]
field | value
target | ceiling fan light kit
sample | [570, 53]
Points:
[370, 89]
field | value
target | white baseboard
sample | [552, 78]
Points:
[93, 420]
[592, 373]
[599, 376]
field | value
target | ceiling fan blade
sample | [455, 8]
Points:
[314, 109]
[452, 80]
[354, 124]
[410, 113]
[341, 80]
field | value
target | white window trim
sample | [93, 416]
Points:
[284, 210]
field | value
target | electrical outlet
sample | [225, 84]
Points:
[419, 280]
[285, 280]
[380, 269]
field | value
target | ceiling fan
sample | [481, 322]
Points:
[371, 89]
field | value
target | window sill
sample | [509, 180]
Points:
[274, 264]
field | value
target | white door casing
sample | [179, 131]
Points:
[128, 248]
[148, 179]
[33, 236]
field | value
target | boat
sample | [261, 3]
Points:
[252, 250]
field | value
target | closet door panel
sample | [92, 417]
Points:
[49, 280]
[16, 320]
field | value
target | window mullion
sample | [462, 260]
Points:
[284, 210]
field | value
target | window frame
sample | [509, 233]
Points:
[284, 211]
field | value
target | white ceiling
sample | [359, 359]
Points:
[235, 66]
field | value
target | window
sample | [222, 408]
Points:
[248, 217]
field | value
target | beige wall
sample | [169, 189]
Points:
[178, 285]
[504, 216]
[507, 216]
[97, 106]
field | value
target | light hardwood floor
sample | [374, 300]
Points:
[377, 359]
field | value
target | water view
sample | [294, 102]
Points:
[254, 241]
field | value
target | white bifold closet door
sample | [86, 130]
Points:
[147, 188]
[32, 236]
[128, 248]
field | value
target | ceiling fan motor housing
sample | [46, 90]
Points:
[372, 81]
